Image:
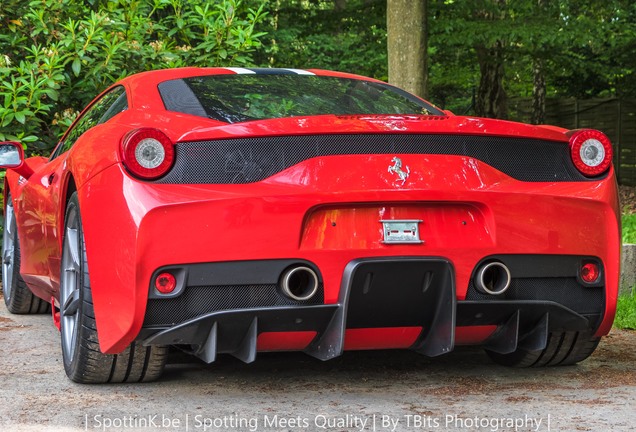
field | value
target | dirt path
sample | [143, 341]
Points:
[397, 390]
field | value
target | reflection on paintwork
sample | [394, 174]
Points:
[326, 212]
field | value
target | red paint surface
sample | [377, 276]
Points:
[324, 210]
[284, 341]
[474, 335]
[381, 338]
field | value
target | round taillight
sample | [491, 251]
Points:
[591, 152]
[147, 153]
[590, 272]
[165, 283]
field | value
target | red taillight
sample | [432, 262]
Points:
[591, 151]
[147, 153]
[590, 272]
[165, 283]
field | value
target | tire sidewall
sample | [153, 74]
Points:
[71, 364]
[9, 298]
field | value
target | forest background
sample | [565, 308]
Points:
[475, 56]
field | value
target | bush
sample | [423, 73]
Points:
[57, 55]
[626, 313]
[628, 222]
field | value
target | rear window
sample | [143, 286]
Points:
[240, 98]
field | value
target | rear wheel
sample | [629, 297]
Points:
[83, 360]
[563, 348]
[17, 296]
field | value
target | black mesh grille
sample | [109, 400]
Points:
[563, 290]
[200, 300]
[254, 159]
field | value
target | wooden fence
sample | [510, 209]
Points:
[616, 117]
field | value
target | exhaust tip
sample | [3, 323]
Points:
[492, 278]
[299, 283]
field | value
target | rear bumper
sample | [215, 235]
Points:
[467, 217]
[377, 295]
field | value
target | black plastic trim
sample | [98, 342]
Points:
[249, 272]
[521, 323]
[481, 313]
[249, 160]
[535, 265]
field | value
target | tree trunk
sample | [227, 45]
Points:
[492, 100]
[407, 43]
[538, 91]
[341, 5]
[538, 78]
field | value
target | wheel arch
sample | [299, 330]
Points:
[10, 184]
[68, 188]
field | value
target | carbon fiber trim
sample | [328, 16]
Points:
[200, 300]
[563, 290]
[248, 160]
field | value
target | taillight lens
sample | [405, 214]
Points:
[147, 153]
[591, 151]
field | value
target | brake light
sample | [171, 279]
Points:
[147, 153]
[591, 152]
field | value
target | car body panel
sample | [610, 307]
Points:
[191, 219]
[325, 210]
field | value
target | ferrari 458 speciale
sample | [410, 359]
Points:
[233, 210]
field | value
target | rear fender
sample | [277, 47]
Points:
[110, 217]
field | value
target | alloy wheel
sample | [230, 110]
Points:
[8, 252]
[70, 285]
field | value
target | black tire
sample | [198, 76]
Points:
[17, 295]
[563, 349]
[83, 360]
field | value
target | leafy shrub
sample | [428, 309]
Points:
[56, 55]
[626, 313]
[629, 227]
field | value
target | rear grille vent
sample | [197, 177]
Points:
[248, 160]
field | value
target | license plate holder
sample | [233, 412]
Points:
[405, 231]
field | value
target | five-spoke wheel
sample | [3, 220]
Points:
[17, 296]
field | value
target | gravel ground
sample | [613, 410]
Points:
[381, 391]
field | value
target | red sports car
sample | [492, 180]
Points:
[230, 210]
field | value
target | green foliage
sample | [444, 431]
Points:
[341, 35]
[585, 45]
[626, 313]
[59, 54]
[629, 227]
[55, 55]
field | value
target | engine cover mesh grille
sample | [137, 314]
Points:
[248, 160]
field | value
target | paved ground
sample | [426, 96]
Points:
[381, 391]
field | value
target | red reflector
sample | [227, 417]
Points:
[165, 283]
[590, 272]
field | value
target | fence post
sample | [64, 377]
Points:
[576, 113]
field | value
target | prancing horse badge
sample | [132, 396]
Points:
[397, 169]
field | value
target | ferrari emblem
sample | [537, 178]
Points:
[397, 169]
